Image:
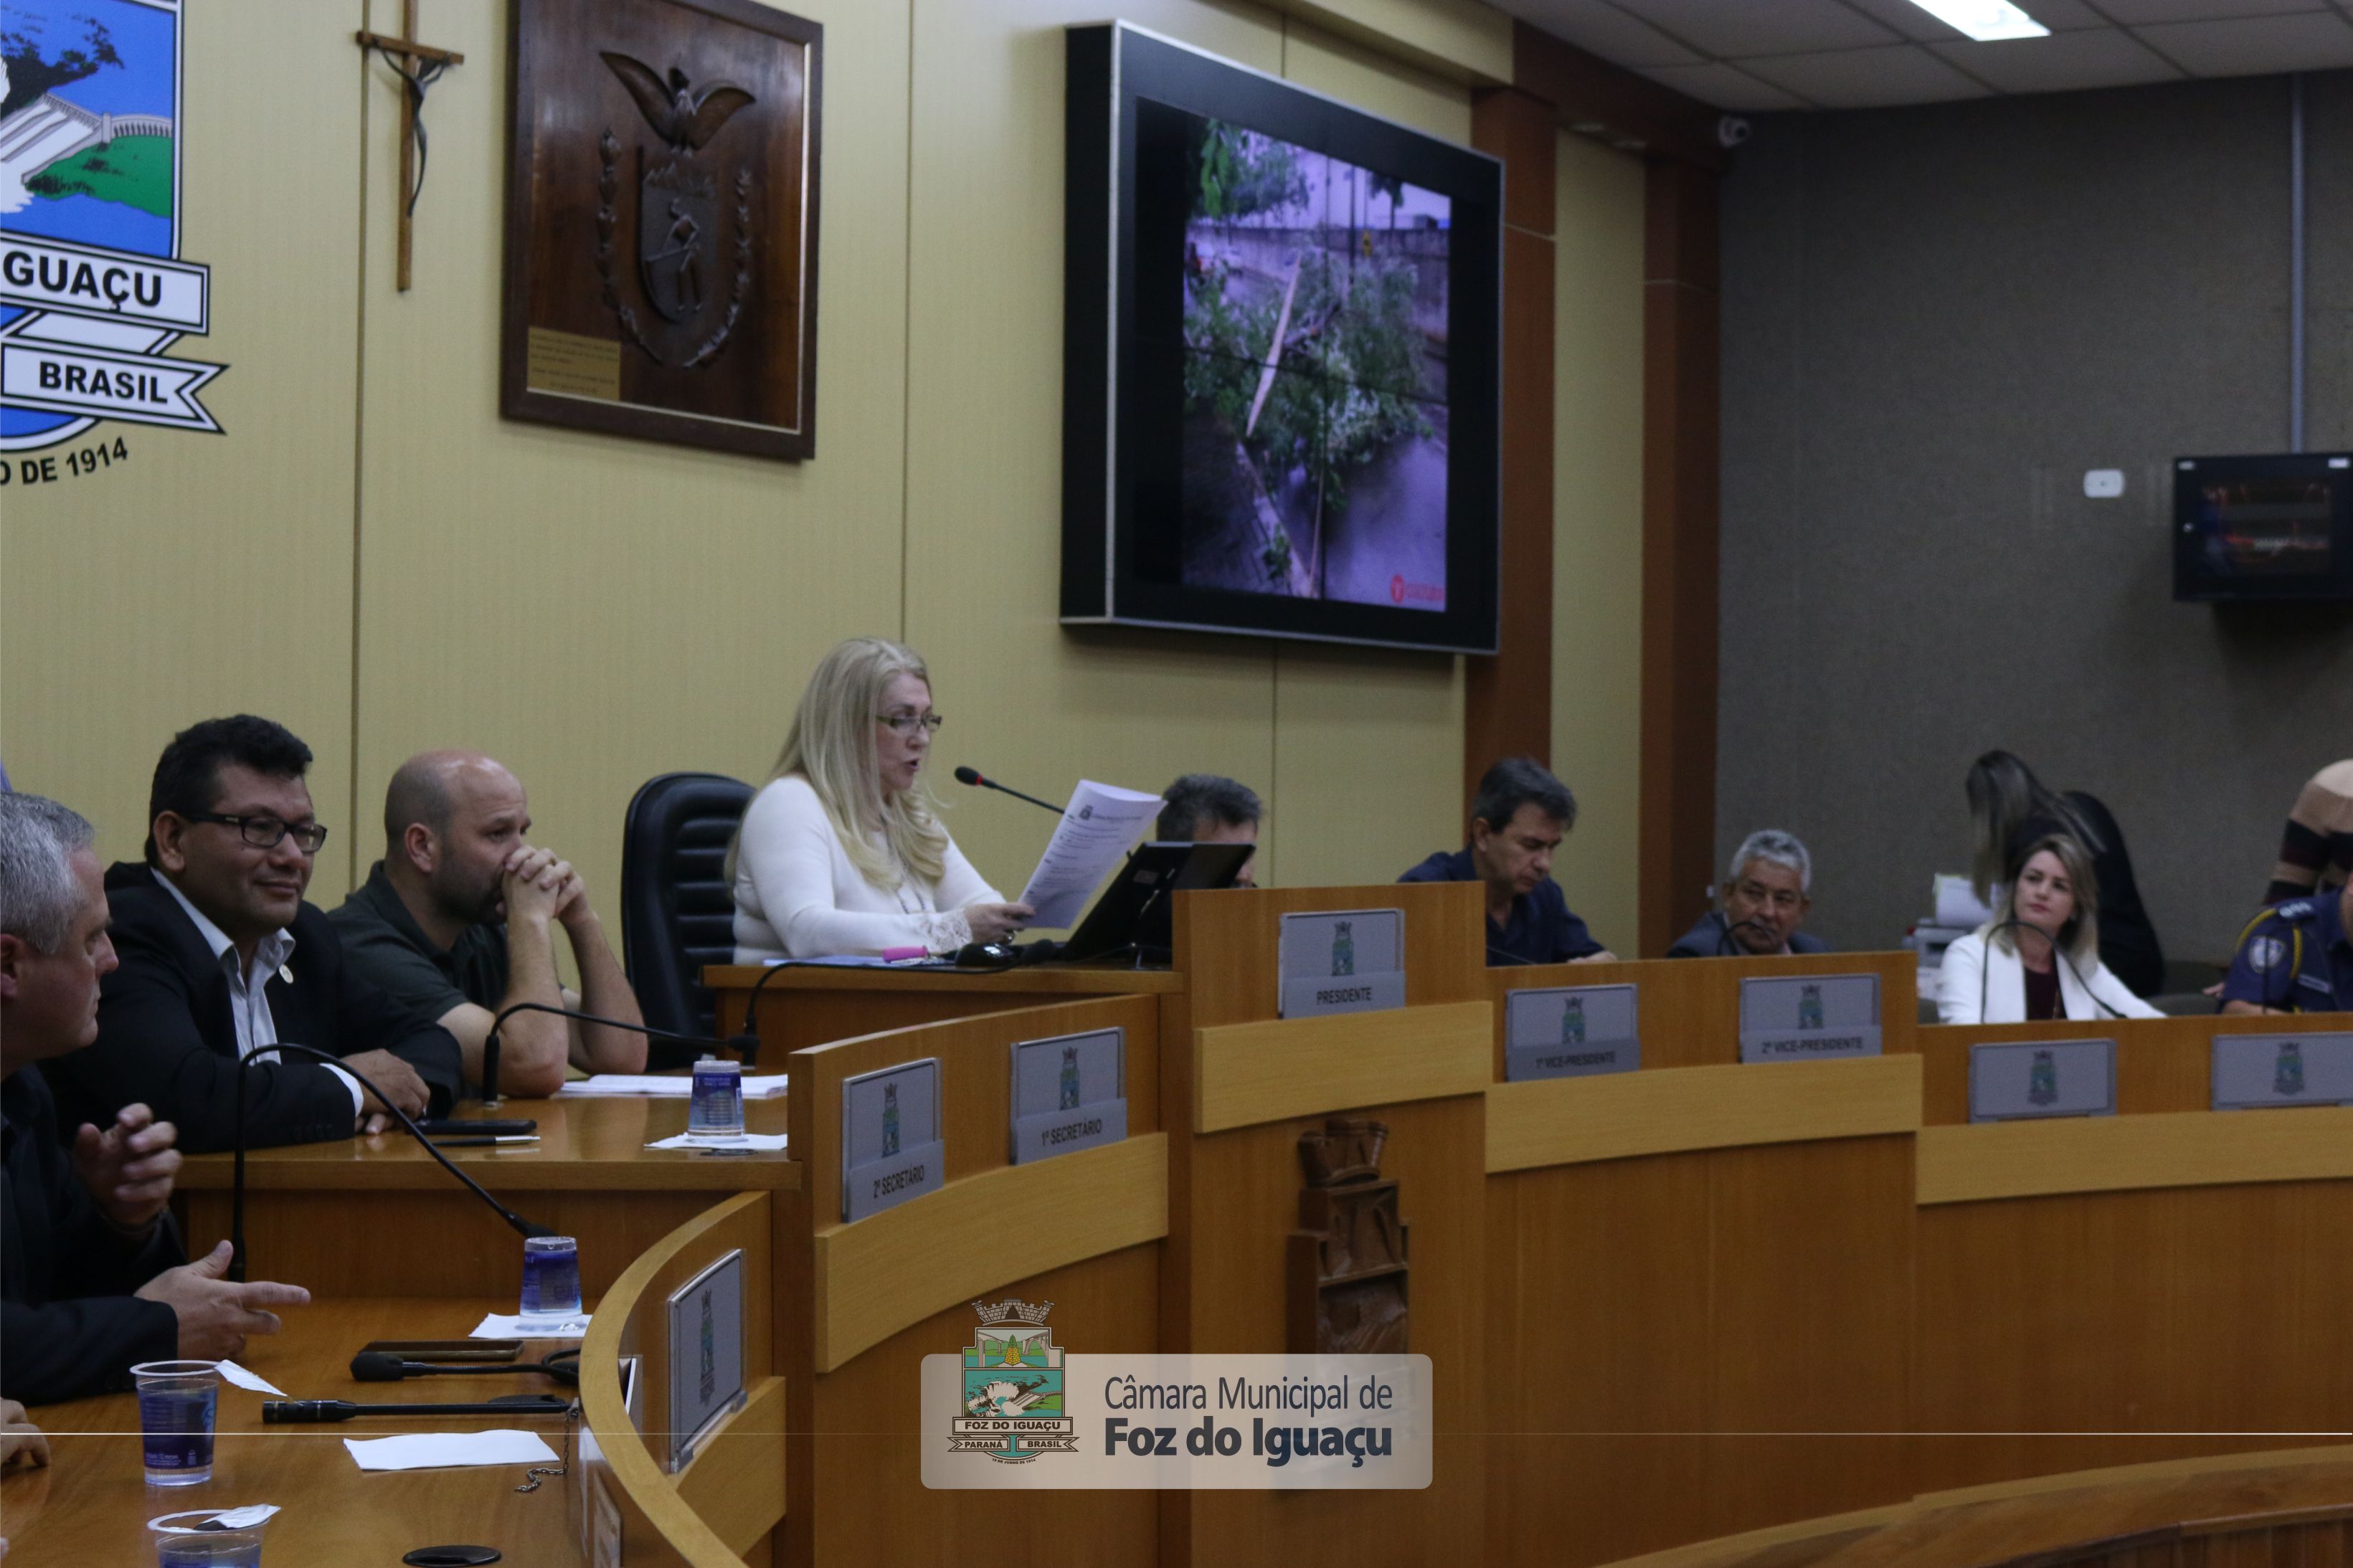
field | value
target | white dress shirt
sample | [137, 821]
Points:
[249, 989]
[798, 895]
[1984, 982]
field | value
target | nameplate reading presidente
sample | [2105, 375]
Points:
[1570, 1031]
[1341, 961]
[2254, 1072]
[1070, 1093]
[1806, 1017]
[891, 1146]
[2032, 1079]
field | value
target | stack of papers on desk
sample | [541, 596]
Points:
[440, 1450]
[663, 1086]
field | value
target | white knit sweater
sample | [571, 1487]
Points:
[797, 895]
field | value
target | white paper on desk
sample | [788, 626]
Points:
[1098, 828]
[1957, 903]
[765, 1143]
[509, 1326]
[252, 1380]
[755, 1085]
[445, 1450]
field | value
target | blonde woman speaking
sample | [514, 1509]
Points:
[842, 850]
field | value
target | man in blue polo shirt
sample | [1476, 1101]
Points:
[1517, 822]
[2296, 957]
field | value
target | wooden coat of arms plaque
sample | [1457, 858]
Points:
[661, 222]
[1347, 1290]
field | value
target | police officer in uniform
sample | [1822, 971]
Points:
[2296, 957]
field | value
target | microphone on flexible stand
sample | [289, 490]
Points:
[747, 1045]
[974, 776]
[383, 1366]
[1723, 936]
[524, 1228]
[1985, 966]
[236, 1186]
[311, 1412]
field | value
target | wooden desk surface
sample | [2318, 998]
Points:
[585, 1143]
[91, 1505]
[1057, 979]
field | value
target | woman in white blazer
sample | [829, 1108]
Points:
[2039, 957]
[841, 851]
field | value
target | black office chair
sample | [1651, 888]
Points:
[678, 912]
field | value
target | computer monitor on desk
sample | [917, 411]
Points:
[1135, 912]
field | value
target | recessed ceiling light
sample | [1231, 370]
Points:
[1987, 21]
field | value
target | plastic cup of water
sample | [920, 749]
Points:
[177, 1400]
[551, 1277]
[717, 1107]
[183, 1541]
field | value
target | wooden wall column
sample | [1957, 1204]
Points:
[1507, 700]
[1675, 137]
[1680, 487]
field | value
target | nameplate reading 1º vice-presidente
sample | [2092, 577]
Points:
[2256, 1072]
[891, 1146]
[1573, 1031]
[1805, 1017]
[1341, 961]
[1070, 1093]
[2032, 1079]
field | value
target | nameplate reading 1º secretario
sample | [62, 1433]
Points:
[891, 1147]
[2034, 1079]
[1575, 1031]
[1070, 1093]
[2256, 1072]
[1341, 961]
[1806, 1017]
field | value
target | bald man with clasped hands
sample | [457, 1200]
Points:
[88, 1254]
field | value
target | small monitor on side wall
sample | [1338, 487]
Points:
[2275, 528]
[1281, 349]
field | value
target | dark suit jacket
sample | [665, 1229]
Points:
[167, 1035]
[70, 1326]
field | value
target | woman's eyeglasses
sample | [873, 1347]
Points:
[908, 724]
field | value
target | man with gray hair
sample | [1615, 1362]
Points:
[88, 1281]
[1210, 809]
[1764, 898]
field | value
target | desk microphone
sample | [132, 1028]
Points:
[748, 1045]
[311, 1412]
[975, 776]
[1724, 937]
[523, 1226]
[1985, 968]
[384, 1366]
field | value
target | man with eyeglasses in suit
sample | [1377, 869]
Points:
[222, 960]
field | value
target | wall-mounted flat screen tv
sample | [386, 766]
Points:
[1279, 380]
[2275, 527]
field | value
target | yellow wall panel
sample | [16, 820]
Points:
[212, 574]
[590, 610]
[1027, 700]
[372, 555]
[1596, 637]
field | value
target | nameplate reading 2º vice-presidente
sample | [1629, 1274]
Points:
[1341, 961]
[1070, 1093]
[891, 1146]
[2028, 1080]
[2258, 1072]
[1805, 1017]
[1570, 1031]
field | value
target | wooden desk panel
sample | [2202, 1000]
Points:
[815, 1004]
[2272, 1508]
[1690, 1342]
[2162, 1064]
[1689, 1008]
[376, 1216]
[92, 1504]
[2129, 1326]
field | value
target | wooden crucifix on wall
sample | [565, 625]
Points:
[420, 65]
